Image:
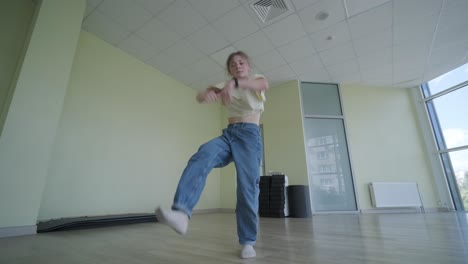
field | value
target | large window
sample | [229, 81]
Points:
[446, 99]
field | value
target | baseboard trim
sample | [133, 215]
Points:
[17, 231]
[404, 210]
[84, 222]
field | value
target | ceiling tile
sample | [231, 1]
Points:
[269, 61]
[338, 53]
[280, 74]
[300, 4]
[184, 52]
[285, 30]
[371, 21]
[339, 33]
[213, 79]
[154, 6]
[221, 56]
[255, 44]
[408, 84]
[420, 29]
[213, 9]
[453, 14]
[297, 49]
[182, 18]
[378, 76]
[348, 78]
[184, 75]
[375, 41]
[334, 8]
[358, 6]
[315, 75]
[138, 47]
[411, 51]
[158, 34]
[435, 71]
[376, 59]
[205, 67]
[104, 28]
[208, 40]
[236, 24]
[164, 63]
[344, 68]
[448, 55]
[307, 64]
[405, 11]
[450, 36]
[125, 13]
[408, 70]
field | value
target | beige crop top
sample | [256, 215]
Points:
[244, 101]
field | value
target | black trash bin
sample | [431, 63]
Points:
[299, 201]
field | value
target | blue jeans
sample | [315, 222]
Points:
[241, 143]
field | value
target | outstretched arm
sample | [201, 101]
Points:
[209, 95]
[259, 84]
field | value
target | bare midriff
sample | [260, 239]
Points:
[255, 119]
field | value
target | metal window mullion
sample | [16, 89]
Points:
[446, 91]
[453, 149]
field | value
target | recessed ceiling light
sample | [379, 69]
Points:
[322, 15]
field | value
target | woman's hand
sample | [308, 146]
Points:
[210, 95]
[226, 92]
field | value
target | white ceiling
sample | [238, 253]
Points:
[392, 43]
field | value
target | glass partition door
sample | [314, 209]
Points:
[329, 169]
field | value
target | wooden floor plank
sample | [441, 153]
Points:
[375, 239]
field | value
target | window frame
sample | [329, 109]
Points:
[437, 143]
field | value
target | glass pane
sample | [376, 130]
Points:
[320, 99]
[329, 167]
[452, 113]
[449, 79]
[451, 180]
[459, 162]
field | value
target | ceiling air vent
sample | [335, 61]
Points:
[268, 10]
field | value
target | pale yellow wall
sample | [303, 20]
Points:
[385, 140]
[31, 123]
[284, 134]
[15, 18]
[125, 135]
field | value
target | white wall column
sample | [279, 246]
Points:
[32, 119]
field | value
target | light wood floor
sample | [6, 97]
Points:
[440, 238]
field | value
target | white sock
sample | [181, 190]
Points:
[176, 219]
[248, 252]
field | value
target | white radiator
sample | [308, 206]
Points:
[395, 194]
